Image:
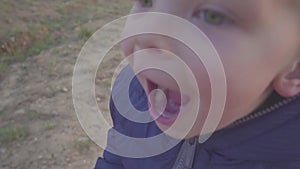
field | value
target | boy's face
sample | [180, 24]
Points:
[257, 41]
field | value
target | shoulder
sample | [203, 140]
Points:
[270, 137]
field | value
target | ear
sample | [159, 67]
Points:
[287, 83]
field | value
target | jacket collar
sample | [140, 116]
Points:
[271, 133]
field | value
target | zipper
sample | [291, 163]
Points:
[265, 111]
[186, 154]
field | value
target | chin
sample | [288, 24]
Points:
[177, 132]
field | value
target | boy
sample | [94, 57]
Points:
[259, 46]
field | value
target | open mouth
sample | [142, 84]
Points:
[174, 101]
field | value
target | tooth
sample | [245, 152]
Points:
[159, 97]
[160, 102]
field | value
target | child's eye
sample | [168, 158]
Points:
[145, 3]
[213, 17]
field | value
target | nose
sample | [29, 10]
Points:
[154, 41]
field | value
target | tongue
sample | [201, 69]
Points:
[174, 97]
[173, 103]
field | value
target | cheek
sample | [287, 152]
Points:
[200, 74]
[247, 74]
[127, 46]
[251, 62]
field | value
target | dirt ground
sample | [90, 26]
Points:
[40, 42]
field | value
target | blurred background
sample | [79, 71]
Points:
[39, 45]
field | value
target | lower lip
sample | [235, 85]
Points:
[161, 119]
[158, 117]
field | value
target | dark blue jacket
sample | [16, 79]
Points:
[268, 139]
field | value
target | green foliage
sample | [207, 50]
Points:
[11, 134]
[85, 33]
[34, 34]
[49, 126]
[3, 66]
[82, 144]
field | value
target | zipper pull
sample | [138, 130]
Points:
[185, 158]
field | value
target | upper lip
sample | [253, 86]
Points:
[152, 85]
[154, 81]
